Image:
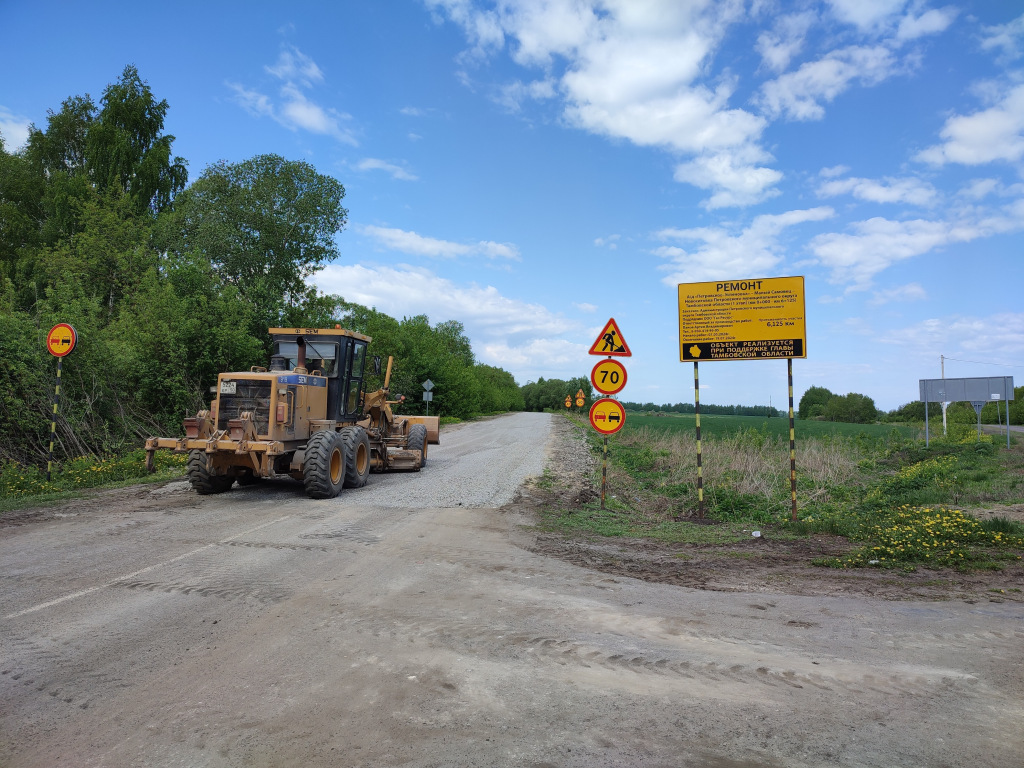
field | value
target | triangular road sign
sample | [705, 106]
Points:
[610, 342]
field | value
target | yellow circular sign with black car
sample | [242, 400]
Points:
[607, 416]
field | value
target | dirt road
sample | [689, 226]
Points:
[391, 626]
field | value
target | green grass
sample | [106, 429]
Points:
[715, 425]
[22, 486]
[900, 504]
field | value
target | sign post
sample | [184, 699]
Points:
[59, 342]
[753, 319]
[428, 395]
[608, 376]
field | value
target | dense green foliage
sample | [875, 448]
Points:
[820, 403]
[168, 284]
[550, 394]
[774, 427]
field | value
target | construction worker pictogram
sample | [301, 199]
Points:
[610, 342]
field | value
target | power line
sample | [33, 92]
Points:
[980, 362]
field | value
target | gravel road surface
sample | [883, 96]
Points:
[407, 624]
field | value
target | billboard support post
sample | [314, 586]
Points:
[792, 440]
[700, 471]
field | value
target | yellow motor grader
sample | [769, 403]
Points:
[306, 417]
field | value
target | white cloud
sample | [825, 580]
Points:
[785, 40]
[930, 22]
[990, 135]
[585, 307]
[523, 338]
[396, 171]
[611, 242]
[295, 66]
[996, 338]
[874, 245]
[13, 129]
[294, 110]
[888, 190]
[634, 71]
[512, 95]
[798, 95]
[736, 181]
[1007, 39]
[903, 293]
[754, 252]
[866, 14]
[417, 245]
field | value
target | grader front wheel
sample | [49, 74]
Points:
[323, 468]
[202, 480]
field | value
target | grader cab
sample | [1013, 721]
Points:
[305, 416]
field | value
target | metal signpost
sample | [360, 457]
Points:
[754, 319]
[607, 415]
[428, 395]
[976, 390]
[59, 342]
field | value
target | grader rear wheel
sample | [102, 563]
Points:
[357, 456]
[323, 467]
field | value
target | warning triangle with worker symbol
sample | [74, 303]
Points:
[610, 342]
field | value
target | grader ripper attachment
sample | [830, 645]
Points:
[306, 417]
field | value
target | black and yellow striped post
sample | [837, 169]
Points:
[59, 342]
[53, 423]
[700, 469]
[604, 472]
[792, 440]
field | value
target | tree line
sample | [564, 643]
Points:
[169, 283]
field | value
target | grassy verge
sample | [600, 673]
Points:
[899, 504]
[22, 486]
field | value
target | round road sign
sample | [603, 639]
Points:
[607, 416]
[568, 402]
[61, 339]
[608, 376]
[579, 402]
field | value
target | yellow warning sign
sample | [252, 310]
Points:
[752, 319]
[568, 402]
[610, 342]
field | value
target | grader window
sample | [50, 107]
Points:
[320, 355]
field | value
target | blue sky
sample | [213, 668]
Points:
[534, 167]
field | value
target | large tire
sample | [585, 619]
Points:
[357, 456]
[418, 442]
[323, 466]
[199, 476]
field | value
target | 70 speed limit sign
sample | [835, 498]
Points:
[608, 376]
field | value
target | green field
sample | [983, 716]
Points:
[777, 427]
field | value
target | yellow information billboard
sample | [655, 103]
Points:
[755, 319]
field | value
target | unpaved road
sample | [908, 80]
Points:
[392, 627]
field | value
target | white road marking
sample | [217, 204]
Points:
[90, 590]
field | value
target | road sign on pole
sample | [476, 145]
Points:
[608, 376]
[59, 342]
[607, 416]
[610, 342]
